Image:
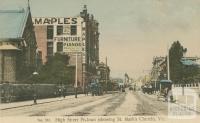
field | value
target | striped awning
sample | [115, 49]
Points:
[189, 62]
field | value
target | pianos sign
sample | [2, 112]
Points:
[71, 44]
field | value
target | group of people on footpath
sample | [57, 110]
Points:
[168, 94]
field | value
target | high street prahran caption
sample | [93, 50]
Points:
[122, 118]
[102, 119]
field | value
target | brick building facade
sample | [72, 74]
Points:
[69, 35]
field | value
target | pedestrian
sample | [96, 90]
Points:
[64, 92]
[166, 94]
[60, 93]
[86, 90]
[35, 98]
[134, 87]
[170, 95]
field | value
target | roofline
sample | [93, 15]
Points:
[76, 16]
[11, 39]
[12, 11]
[191, 58]
[23, 25]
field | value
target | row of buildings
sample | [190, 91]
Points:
[26, 42]
[159, 69]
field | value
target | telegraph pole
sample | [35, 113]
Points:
[76, 76]
[106, 77]
[168, 70]
[157, 72]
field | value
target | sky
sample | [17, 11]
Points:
[132, 32]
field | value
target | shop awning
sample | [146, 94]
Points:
[8, 47]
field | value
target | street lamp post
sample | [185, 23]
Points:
[34, 91]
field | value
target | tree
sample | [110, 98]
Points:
[197, 77]
[190, 72]
[56, 71]
[176, 52]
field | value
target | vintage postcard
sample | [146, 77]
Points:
[112, 61]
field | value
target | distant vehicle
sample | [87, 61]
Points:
[123, 89]
[96, 88]
[147, 88]
[130, 88]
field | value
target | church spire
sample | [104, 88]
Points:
[28, 4]
[85, 7]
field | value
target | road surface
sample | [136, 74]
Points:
[127, 103]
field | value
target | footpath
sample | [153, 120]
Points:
[4, 106]
[188, 97]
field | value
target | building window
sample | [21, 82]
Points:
[66, 29]
[73, 30]
[49, 48]
[49, 32]
[59, 30]
[59, 46]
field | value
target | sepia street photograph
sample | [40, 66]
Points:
[70, 61]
